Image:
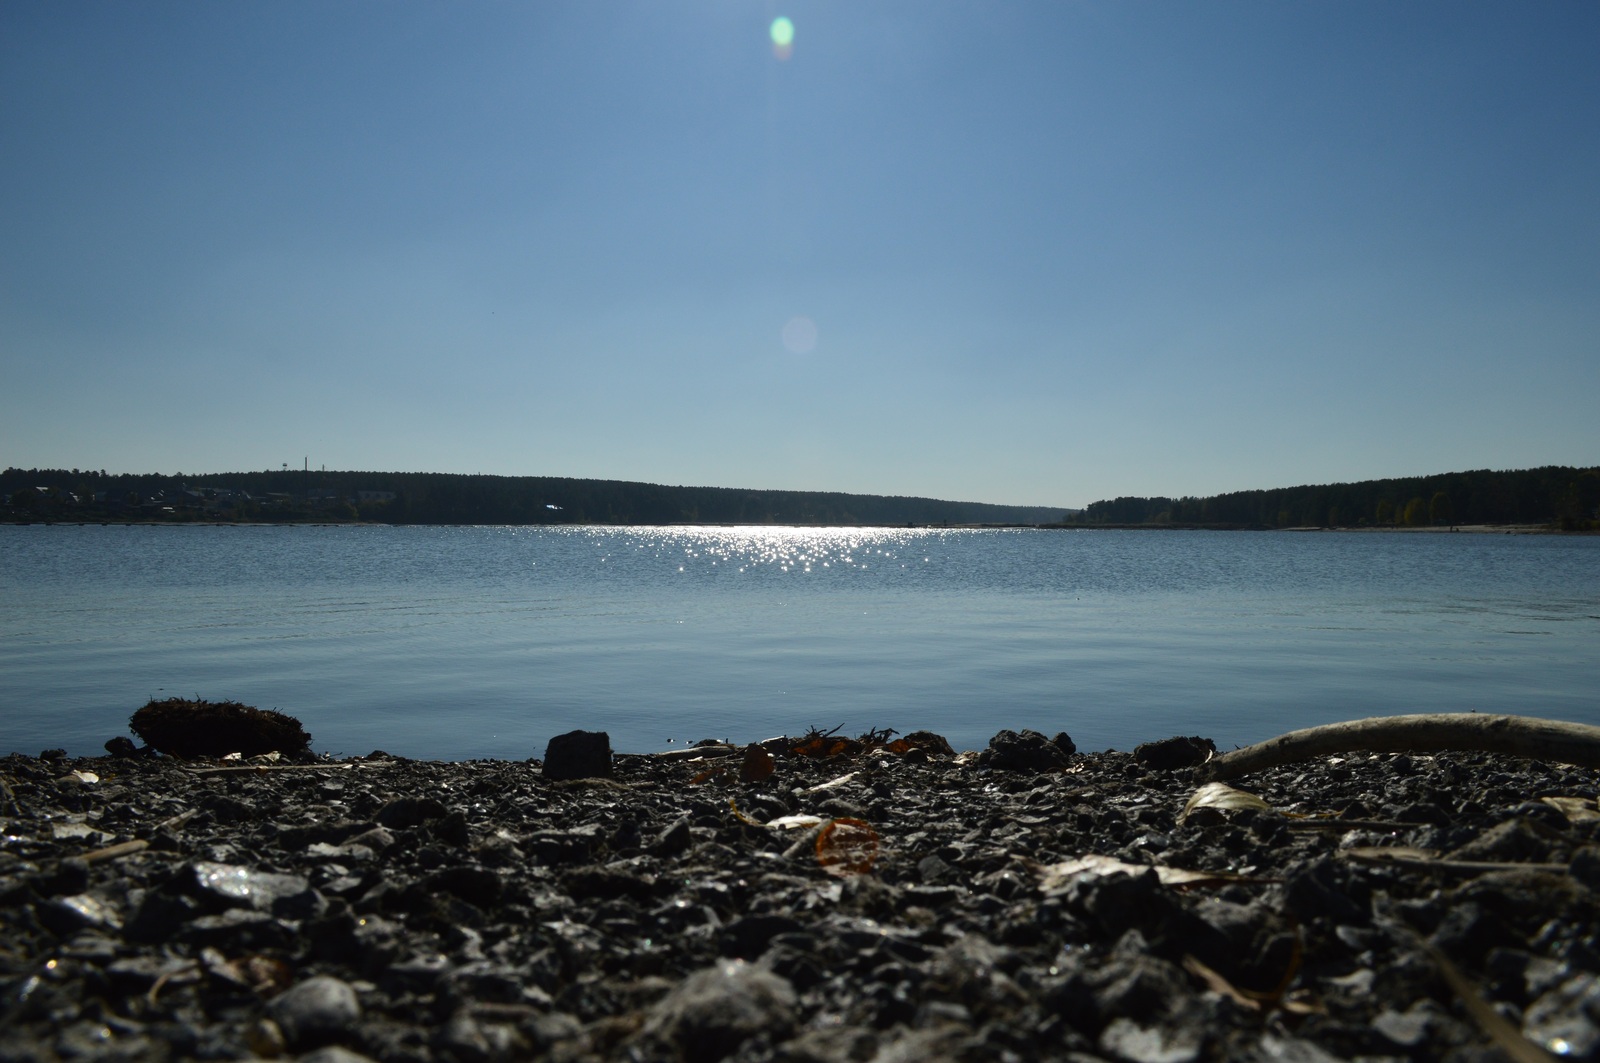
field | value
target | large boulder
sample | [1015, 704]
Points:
[578, 755]
[182, 727]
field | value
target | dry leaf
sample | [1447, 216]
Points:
[1055, 876]
[1221, 796]
[1576, 809]
[826, 746]
[847, 847]
[742, 817]
[1391, 854]
[795, 822]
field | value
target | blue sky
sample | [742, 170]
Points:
[1043, 252]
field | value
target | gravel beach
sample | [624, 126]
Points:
[1028, 902]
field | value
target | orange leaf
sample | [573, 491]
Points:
[847, 847]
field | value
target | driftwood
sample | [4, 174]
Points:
[1522, 736]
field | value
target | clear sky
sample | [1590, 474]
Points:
[1040, 252]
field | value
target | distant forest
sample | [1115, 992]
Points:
[1554, 494]
[447, 498]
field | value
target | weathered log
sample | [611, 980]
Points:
[1522, 736]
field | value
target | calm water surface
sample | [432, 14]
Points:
[452, 643]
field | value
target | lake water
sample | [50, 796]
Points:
[460, 642]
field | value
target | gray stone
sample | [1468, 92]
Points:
[68, 915]
[715, 1010]
[1566, 1020]
[1126, 1039]
[222, 886]
[334, 1054]
[314, 1012]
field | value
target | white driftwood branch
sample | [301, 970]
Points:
[1522, 736]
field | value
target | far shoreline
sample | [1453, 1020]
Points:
[1470, 529]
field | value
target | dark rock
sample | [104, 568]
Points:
[1141, 988]
[1323, 890]
[674, 840]
[237, 931]
[197, 728]
[451, 829]
[335, 1054]
[556, 847]
[1170, 754]
[1508, 842]
[160, 915]
[747, 938]
[408, 813]
[1467, 932]
[121, 746]
[930, 743]
[604, 883]
[578, 755]
[1064, 742]
[314, 1012]
[1585, 866]
[1024, 751]
[478, 886]
[933, 870]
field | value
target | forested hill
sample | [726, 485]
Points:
[446, 498]
[1552, 494]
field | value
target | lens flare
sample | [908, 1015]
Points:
[800, 335]
[782, 33]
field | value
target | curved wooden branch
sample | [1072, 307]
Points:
[1523, 736]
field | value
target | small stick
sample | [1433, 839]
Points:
[112, 852]
[348, 765]
[1523, 736]
[176, 821]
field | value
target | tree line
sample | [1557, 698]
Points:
[1554, 494]
[450, 498]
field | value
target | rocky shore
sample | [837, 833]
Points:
[892, 903]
